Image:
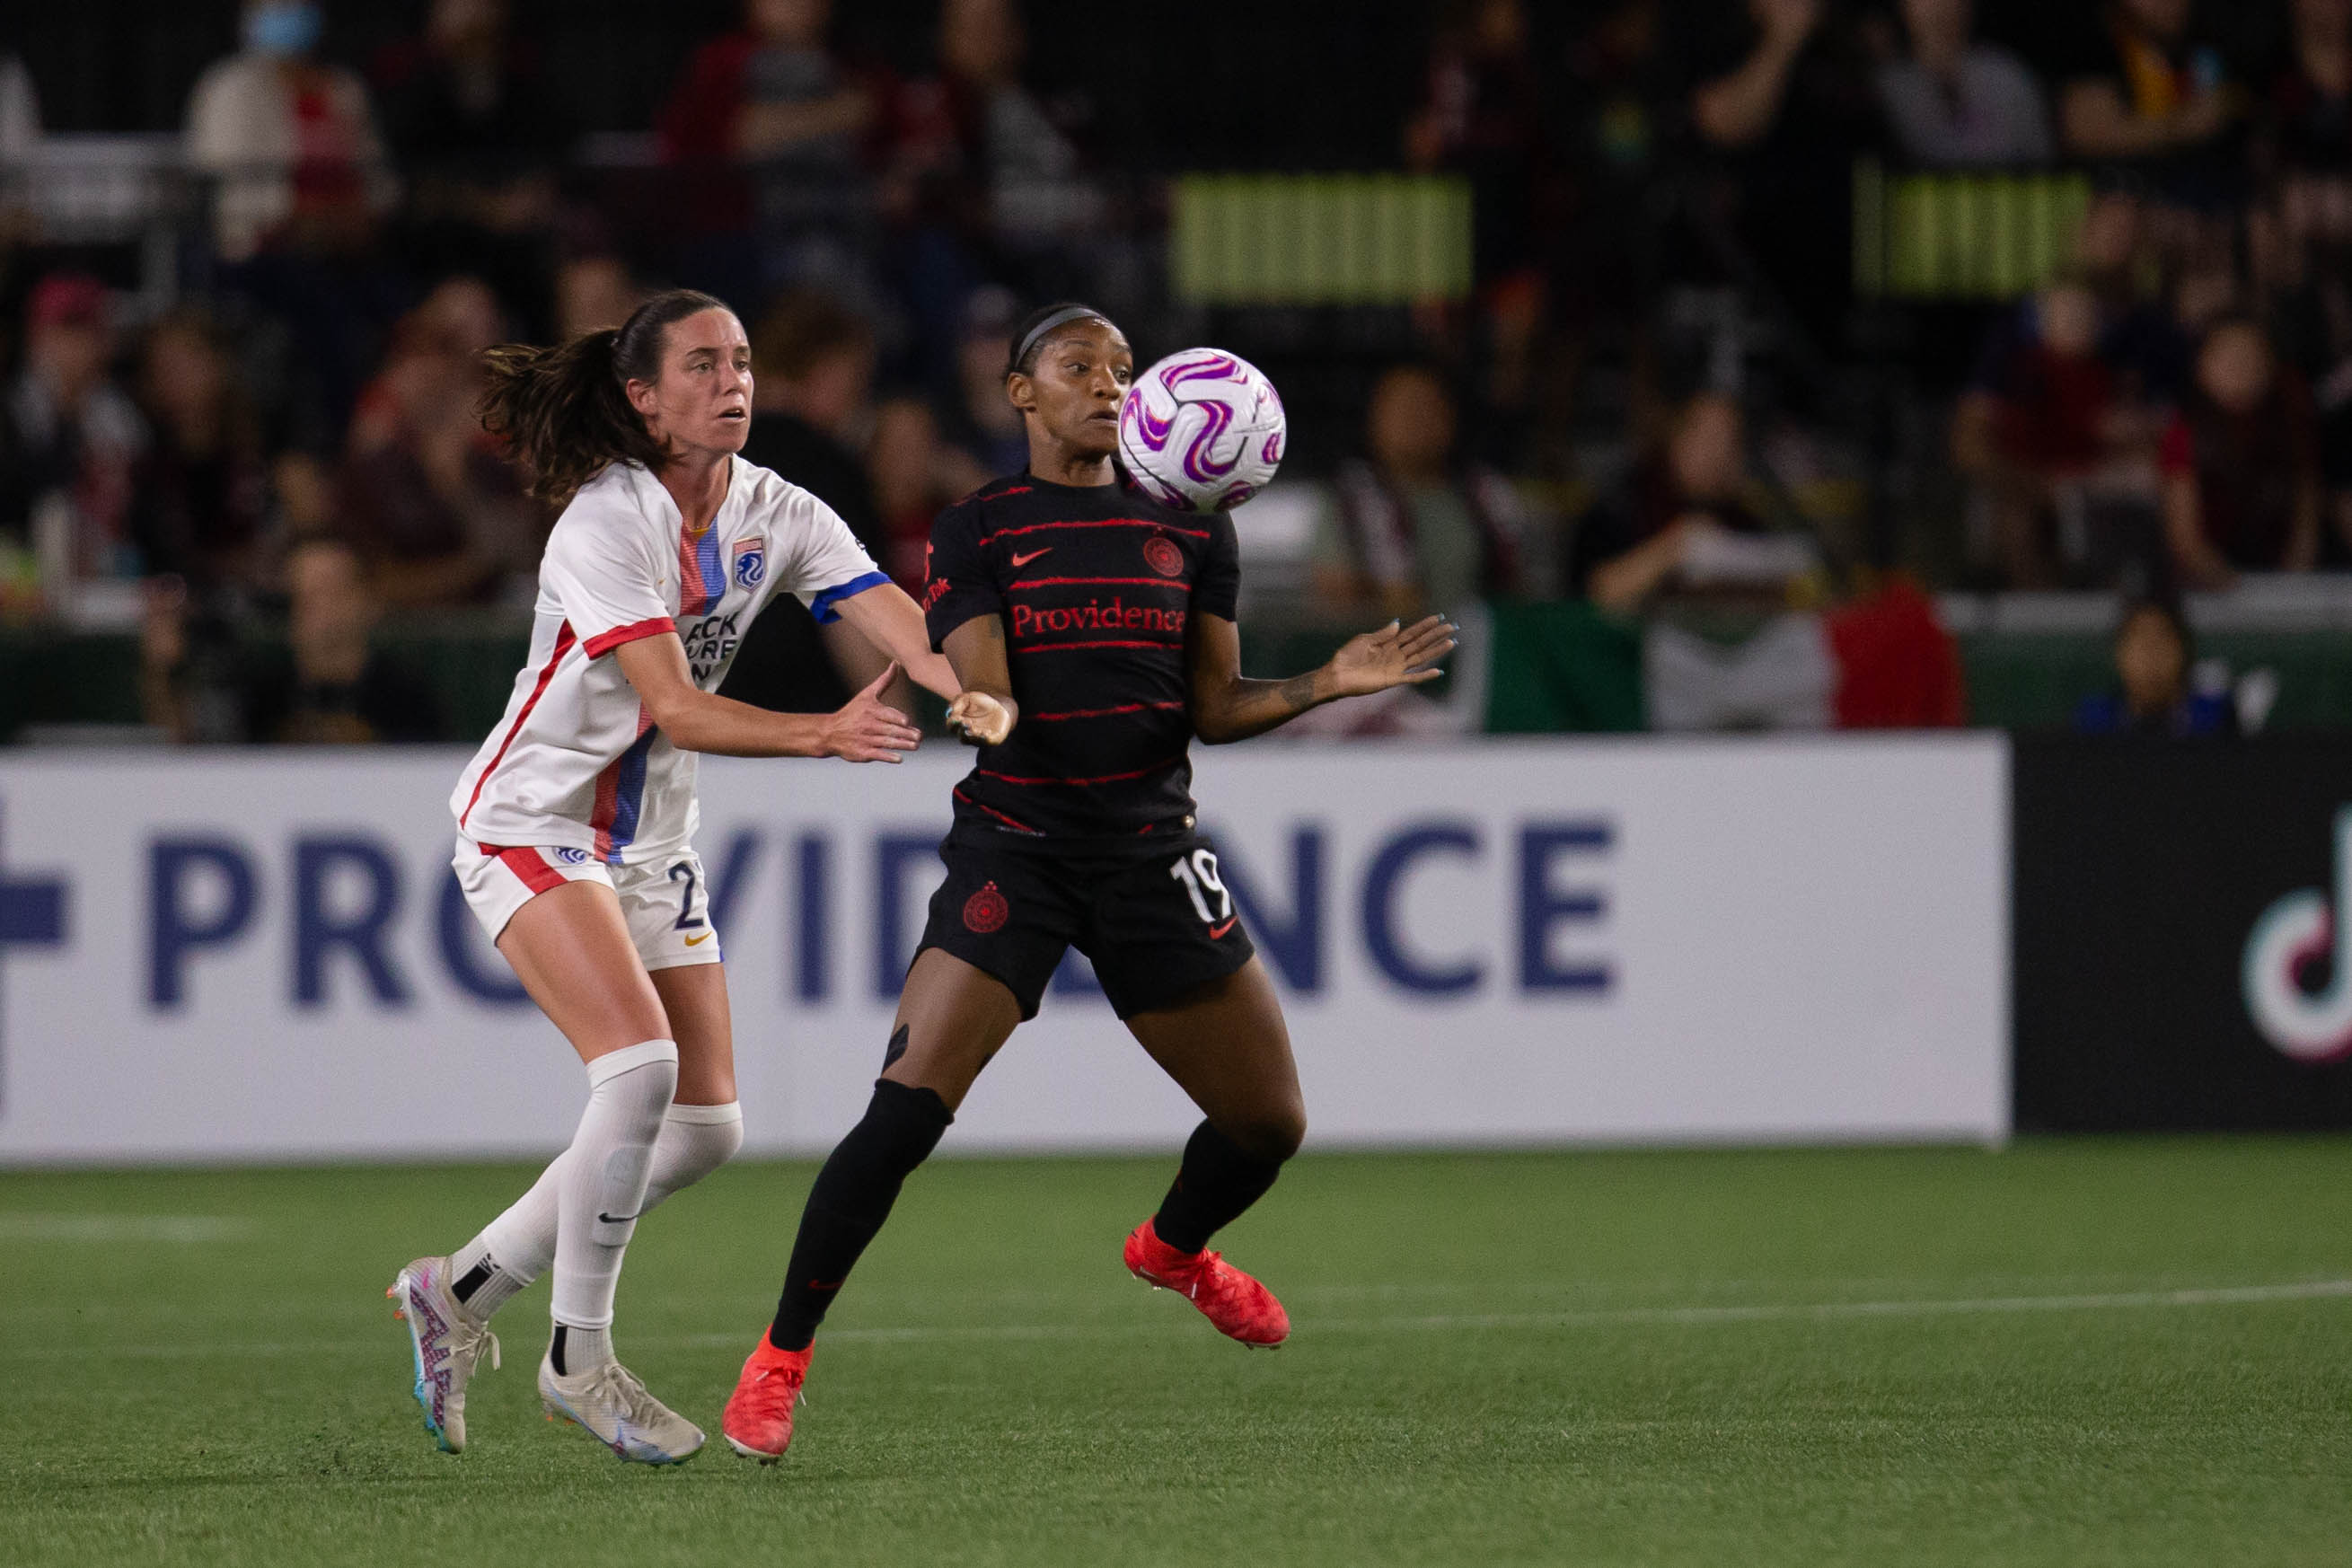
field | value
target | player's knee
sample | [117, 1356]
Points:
[1272, 1134]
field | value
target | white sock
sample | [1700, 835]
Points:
[696, 1140]
[602, 1183]
[518, 1245]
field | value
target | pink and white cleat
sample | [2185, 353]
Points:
[448, 1345]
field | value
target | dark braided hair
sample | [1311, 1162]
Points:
[565, 411]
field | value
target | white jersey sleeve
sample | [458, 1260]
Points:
[603, 577]
[824, 563]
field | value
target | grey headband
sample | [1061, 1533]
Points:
[1062, 318]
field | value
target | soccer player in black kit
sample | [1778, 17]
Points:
[1102, 624]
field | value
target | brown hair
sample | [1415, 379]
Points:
[565, 411]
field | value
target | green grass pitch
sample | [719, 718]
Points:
[2066, 1353]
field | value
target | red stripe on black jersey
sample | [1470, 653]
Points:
[1027, 583]
[1200, 533]
[1086, 638]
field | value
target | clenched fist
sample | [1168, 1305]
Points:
[979, 720]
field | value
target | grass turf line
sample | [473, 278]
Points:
[1590, 1358]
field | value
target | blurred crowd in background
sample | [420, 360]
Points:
[1662, 393]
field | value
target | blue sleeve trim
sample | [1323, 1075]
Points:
[821, 607]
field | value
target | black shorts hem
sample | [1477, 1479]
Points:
[1231, 956]
[1028, 1001]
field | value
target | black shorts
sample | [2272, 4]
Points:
[1156, 929]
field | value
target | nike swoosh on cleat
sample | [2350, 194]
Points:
[1021, 561]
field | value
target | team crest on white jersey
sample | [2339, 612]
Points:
[751, 563]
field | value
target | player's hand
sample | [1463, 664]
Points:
[1396, 654]
[867, 730]
[979, 720]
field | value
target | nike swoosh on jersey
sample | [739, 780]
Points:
[1021, 561]
[694, 939]
[1218, 930]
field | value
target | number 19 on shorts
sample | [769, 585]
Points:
[1198, 872]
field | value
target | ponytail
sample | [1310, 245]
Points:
[564, 412]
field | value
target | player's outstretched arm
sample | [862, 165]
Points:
[1228, 707]
[867, 729]
[885, 617]
[984, 715]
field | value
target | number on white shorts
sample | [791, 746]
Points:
[687, 918]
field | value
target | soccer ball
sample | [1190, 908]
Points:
[1201, 430]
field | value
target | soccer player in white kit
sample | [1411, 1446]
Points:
[575, 819]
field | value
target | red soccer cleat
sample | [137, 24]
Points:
[1241, 1308]
[758, 1421]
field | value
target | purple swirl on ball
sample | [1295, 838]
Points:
[1208, 367]
[1199, 463]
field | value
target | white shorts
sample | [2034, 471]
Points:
[667, 901]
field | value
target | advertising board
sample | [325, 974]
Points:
[2179, 965]
[232, 956]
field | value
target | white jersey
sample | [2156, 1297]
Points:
[576, 763]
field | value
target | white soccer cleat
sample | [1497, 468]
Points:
[610, 1405]
[448, 1345]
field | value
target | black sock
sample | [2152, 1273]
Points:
[1217, 1181]
[851, 1199]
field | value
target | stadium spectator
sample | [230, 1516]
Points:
[1412, 528]
[982, 149]
[463, 104]
[914, 474]
[983, 179]
[429, 501]
[813, 366]
[480, 141]
[2150, 94]
[20, 145]
[1780, 92]
[200, 500]
[2055, 439]
[1611, 123]
[2308, 123]
[69, 440]
[1955, 102]
[773, 100]
[291, 142]
[20, 113]
[813, 382]
[1682, 521]
[1480, 117]
[2241, 464]
[592, 292]
[2114, 258]
[337, 686]
[2155, 657]
[979, 420]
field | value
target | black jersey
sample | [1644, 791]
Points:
[1095, 586]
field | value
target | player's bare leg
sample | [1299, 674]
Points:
[952, 1018]
[1227, 1047]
